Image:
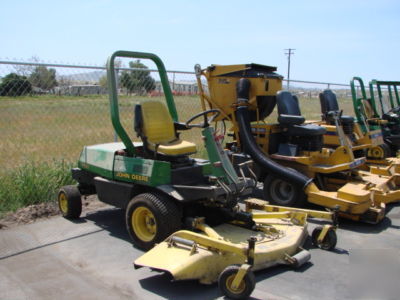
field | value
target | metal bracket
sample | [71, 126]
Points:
[323, 233]
[240, 275]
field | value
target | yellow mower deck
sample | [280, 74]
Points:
[203, 255]
[382, 175]
[369, 142]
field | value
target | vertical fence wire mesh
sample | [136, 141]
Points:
[50, 111]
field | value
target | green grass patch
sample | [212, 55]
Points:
[32, 183]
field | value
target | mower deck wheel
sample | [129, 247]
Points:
[329, 242]
[245, 288]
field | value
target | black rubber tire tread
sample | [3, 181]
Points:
[167, 214]
[298, 199]
[74, 201]
[249, 279]
[387, 150]
[329, 242]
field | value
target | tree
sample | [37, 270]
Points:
[15, 85]
[43, 78]
[137, 81]
[26, 70]
[103, 79]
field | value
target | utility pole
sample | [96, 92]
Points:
[289, 52]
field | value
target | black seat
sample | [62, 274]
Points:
[346, 119]
[289, 116]
[329, 105]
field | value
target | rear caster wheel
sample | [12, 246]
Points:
[70, 202]
[245, 287]
[329, 241]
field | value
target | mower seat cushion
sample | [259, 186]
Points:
[177, 147]
[306, 130]
[290, 120]
[159, 131]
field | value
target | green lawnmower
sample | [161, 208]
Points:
[155, 180]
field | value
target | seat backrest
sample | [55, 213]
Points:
[157, 124]
[367, 107]
[328, 101]
[287, 104]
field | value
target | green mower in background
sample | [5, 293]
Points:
[392, 91]
[370, 119]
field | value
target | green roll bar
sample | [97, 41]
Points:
[393, 92]
[357, 105]
[112, 86]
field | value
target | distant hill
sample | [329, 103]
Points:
[92, 77]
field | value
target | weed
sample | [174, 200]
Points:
[32, 183]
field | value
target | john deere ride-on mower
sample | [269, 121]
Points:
[370, 119]
[389, 101]
[164, 190]
[246, 95]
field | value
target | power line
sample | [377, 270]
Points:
[289, 52]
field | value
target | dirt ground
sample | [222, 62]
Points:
[31, 213]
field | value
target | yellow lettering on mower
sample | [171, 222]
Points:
[123, 175]
[132, 176]
[140, 177]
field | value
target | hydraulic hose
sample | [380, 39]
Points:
[250, 146]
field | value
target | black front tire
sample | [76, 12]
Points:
[150, 218]
[70, 202]
[284, 193]
[245, 288]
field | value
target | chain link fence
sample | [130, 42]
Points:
[50, 111]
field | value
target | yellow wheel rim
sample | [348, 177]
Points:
[63, 202]
[376, 152]
[239, 289]
[144, 223]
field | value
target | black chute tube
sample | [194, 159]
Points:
[250, 146]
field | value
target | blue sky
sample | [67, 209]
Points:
[334, 40]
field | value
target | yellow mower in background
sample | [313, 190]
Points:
[331, 178]
[344, 130]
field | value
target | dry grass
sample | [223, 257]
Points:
[46, 128]
[56, 128]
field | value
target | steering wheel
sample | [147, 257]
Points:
[207, 120]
